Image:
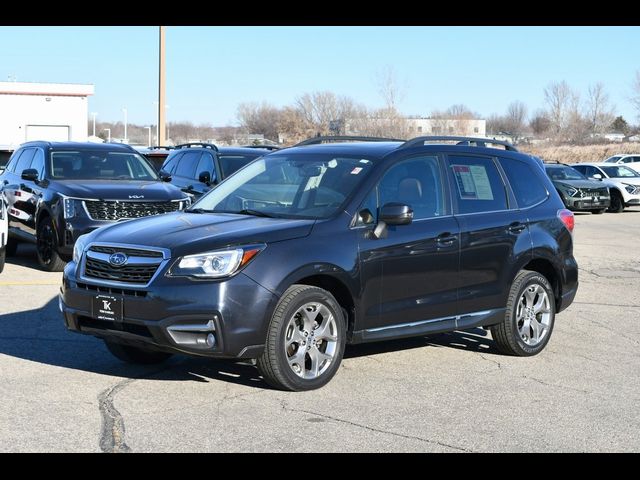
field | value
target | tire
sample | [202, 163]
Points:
[617, 203]
[508, 334]
[11, 248]
[136, 355]
[295, 334]
[47, 247]
[598, 211]
[3, 255]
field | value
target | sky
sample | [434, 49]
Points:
[211, 70]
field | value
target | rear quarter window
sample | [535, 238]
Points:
[525, 182]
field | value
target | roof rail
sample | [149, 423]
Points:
[479, 142]
[161, 147]
[344, 138]
[197, 144]
[266, 147]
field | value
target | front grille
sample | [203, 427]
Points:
[131, 273]
[131, 252]
[116, 210]
[112, 290]
[593, 192]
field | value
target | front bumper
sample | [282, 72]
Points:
[176, 314]
[587, 203]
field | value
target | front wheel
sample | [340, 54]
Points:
[529, 318]
[305, 340]
[136, 355]
[617, 203]
[47, 247]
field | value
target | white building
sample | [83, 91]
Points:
[43, 111]
[447, 126]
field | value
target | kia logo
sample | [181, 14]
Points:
[118, 259]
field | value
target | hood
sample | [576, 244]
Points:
[117, 189]
[188, 233]
[581, 183]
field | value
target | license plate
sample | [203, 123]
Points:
[107, 307]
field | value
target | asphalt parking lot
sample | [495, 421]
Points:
[447, 393]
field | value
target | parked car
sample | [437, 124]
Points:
[578, 192]
[156, 155]
[623, 183]
[58, 191]
[630, 160]
[196, 167]
[310, 248]
[4, 230]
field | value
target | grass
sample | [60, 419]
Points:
[579, 153]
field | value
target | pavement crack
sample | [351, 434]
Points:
[374, 429]
[555, 385]
[112, 431]
[491, 360]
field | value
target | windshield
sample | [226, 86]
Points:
[564, 173]
[620, 171]
[232, 163]
[100, 165]
[613, 159]
[288, 186]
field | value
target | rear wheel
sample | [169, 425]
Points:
[529, 318]
[136, 355]
[47, 247]
[305, 340]
[617, 203]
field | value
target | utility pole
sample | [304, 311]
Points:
[149, 128]
[108, 130]
[125, 140]
[93, 114]
[161, 92]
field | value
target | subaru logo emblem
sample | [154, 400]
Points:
[118, 259]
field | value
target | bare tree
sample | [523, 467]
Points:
[540, 123]
[319, 110]
[599, 113]
[389, 87]
[259, 118]
[516, 119]
[558, 97]
[635, 92]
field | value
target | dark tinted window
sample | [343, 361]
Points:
[417, 183]
[187, 165]
[232, 163]
[206, 165]
[100, 165]
[525, 182]
[38, 163]
[25, 160]
[477, 184]
[170, 164]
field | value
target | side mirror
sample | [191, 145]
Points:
[30, 175]
[204, 177]
[597, 176]
[164, 176]
[396, 214]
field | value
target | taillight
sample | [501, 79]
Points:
[567, 218]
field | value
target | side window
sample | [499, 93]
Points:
[416, 182]
[24, 161]
[170, 165]
[187, 165]
[477, 184]
[206, 165]
[38, 163]
[581, 168]
[526, 183]
[628, 160]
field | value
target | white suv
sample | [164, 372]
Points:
[623, 182]
[630, 160]
[4, 229]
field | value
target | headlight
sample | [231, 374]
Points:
[630, 188]
[215, 264]
[78, 248]
[69, 207]
[571, 191]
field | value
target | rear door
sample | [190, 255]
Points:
[493, 234]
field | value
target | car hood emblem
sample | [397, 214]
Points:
[118, 259]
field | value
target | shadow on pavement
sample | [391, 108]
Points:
[40, 336]
[25, 256]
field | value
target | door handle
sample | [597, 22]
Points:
[446, 239]
[516, 227]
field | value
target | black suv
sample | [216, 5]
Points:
[59, 191]
[577, 191]
[313, 247]
[196, 167]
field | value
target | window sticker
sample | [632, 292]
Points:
[356, 170]
[473, 182]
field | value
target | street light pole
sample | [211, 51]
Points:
[94, 114]
[149, 144]
[125, 140]
[161, 90]
[108, 130]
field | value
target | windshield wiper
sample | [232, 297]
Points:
[255, 213]
[197, 210]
